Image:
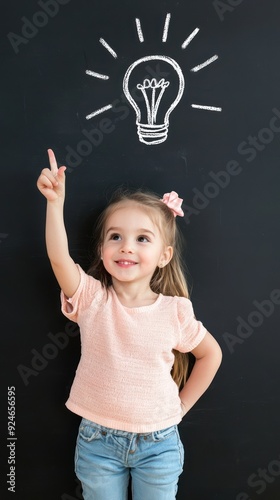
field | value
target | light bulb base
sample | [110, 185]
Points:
[152, 134]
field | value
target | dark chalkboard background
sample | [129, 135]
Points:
[231, 226]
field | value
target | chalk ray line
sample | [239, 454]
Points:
[139, 30]
[108, 47]
[207, 108]
[166, 27]
[205, 63]
[190, 37]
[97, 75]
[98, 111]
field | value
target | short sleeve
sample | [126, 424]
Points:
[192, 331]
[88, 291]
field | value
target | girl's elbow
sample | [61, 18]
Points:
[219, 355]
[216, 350]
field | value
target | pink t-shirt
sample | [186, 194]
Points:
[123, 379]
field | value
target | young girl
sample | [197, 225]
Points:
[136, 325]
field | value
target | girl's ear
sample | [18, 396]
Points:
[166, 256]
[100, 252]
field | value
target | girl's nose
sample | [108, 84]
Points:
[126, 247]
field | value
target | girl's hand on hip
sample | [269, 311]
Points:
[51, 182]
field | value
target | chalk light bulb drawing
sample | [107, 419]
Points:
[150, 129]
[158, 97]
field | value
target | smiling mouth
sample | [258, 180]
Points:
[125, 262]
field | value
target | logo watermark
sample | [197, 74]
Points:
[11, 439]
[249, 148]
[224, 7]
[40, 359]
[261, 479]
[246, 327]
[40, 19]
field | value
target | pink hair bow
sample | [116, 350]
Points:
[173, 202]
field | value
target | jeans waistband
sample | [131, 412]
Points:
[118, 432]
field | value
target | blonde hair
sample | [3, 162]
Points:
[168, 280]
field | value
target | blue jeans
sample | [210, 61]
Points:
[105, 458]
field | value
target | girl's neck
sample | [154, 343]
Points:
[134, 294]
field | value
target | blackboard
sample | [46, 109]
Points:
[224, 163]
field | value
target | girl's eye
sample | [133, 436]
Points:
[115, 237]
[143, 239]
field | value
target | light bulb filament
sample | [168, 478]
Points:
[153, 104]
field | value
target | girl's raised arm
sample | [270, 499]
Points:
[51, 184]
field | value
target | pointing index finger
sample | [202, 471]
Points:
[52, 161]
